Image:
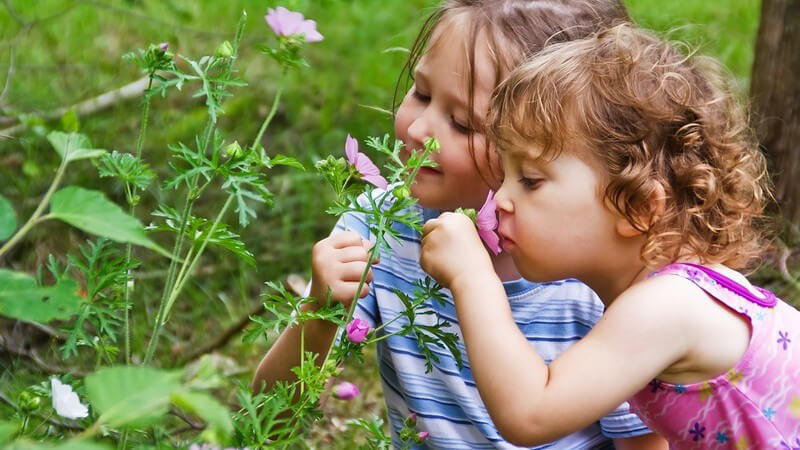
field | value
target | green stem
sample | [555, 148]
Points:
[266, 122]
[180, 281]
[34, 219]
[131, 190]
[302, 355]
[177, 249]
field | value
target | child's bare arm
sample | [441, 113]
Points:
[651, 441]
[337, 263]
[530, 402]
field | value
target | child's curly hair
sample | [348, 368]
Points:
[655, 119]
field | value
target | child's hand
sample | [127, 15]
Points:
[451, 247]
[337, 262]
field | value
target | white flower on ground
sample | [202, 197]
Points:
[66, 402]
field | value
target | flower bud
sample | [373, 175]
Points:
[411, 420]
[225, 50]
[357, 330]
[422, 435]
[164, 46]
[233, 150]
[401, 192]
[345, 391]
[28, 401]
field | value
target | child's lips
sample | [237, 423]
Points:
[506, 242]
[428, 171]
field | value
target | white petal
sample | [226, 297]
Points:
[65, 402]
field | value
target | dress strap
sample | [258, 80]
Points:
[769, 300]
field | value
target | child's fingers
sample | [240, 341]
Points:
[429, 226]
[346, 239]
[353, 271]
[367, 247]
[352, 254]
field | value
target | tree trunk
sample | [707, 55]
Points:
[775, 90]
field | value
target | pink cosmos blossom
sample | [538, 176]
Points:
[345, 391]
[422, 435]
[487, 223]
[357, 330]
[287, 23]
[364, 166]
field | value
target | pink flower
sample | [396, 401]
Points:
[487, 223]
[345, 391]
[164, 46]
[422, 435]
[357, 330]
[288, 23]
[364, 166]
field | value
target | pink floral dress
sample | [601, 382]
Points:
[756, 404]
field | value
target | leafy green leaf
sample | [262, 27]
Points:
[93, 213]
[129, 395]
[127, 168]
[217, 416]
[73, 146]
[8, 219]
[281, 160]
[197, 229]
[70, 122]
[22, 299]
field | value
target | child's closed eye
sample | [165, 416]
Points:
[420, 96]
[458, 126]
[530, 183]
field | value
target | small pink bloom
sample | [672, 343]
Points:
[364, 166]
[357, 330]
[287, 23]
[345, 391]
[412, 417]
[164, 46]
[422, 435]
[487, 223]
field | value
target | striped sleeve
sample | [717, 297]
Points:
[622, 423]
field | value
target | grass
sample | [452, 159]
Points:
[66, 51]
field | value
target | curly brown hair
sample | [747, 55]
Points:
[656, 119]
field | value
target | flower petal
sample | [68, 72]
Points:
[351, 150]
[487, 215]
[491, 240]
[376, 180]
[65, 402]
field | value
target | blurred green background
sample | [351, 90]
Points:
[66, 51]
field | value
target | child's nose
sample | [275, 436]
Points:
[503, 201]
[420, 130]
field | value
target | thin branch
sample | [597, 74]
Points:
[9, 75]
[91, 105]
[192, 425]
[34, 356]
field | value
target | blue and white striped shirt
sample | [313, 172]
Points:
[552, 316]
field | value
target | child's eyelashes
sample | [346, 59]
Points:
[530, 183]
[463, 129]
[421, 97]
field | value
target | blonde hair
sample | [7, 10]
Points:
[654, 118]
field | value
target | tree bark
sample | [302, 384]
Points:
[775, 91]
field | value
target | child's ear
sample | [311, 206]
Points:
[656, 204]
